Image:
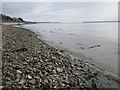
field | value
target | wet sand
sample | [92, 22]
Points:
[29, 62]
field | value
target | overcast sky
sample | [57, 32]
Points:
[62, 11]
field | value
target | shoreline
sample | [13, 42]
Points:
[19, 41]
[108, 69]
[7, 23]
[101, 66]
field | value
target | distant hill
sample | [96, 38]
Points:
[8, 19]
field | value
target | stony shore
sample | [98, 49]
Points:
[29, 62]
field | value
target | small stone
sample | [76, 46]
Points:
[59, 70]
[54, 71]
[29, 77]
[32, 81]
[72, 66]
[109, 83]
[76, 73]
[53, 57]
[79, 68]
[55, 86]
[63, 84]
[22, 82]
[13, 42]
[36, 77]
[35, 58]
[18, 71]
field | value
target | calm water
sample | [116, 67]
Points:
[79, 37]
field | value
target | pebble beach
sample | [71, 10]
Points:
[29, 62]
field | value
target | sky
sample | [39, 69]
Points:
[62, 11]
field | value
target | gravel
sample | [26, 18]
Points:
[29, 62]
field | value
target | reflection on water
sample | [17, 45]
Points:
[98, 41]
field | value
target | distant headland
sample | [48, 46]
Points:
[9, 19]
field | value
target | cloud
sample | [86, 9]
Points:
[62, 11]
